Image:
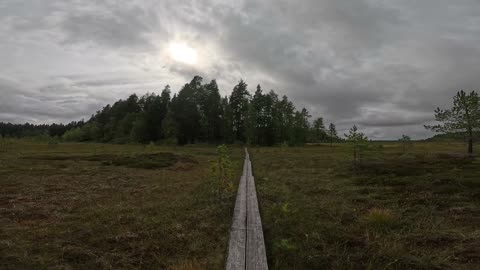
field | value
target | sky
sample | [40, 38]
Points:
[383, 65]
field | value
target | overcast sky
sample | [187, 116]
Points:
[383, 65]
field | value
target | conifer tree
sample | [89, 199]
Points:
[239, 100]
[463, 117]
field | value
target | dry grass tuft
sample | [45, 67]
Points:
[379, 219]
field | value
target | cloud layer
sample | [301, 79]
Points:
[384, 65]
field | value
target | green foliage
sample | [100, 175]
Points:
[222, 174]
[406, 142]
[239, 101]
[285, 119]
[139, 132]
[464, 116]
[213, 113]
[358, 141]
[197, 113]
[263, 116]
[76, 135]
[29, 130]
[301, 126]
[332, 133]
[318, 132]
[169, 127]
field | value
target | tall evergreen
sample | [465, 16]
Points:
[239, 100]
[255, 123]
[227, 121]
[332, 133]
[186, 112]
[301, 127]
[285, 120]
[318, 130]
[463, 117]
[213, 113]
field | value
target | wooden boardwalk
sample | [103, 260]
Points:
[246, 248]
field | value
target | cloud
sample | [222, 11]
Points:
[113, 26]
[384, 65]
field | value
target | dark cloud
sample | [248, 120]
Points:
[126, 27]
[384, 65]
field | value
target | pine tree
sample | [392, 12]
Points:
[214, 113]
[270, 118]
[186, 112]
[164, 110]
[239, 101]
[405, 140]
[358, 140]
[318, 130]
[301, 127]
[332, 131]
[285, 120]
[139, 132]
[227, 121]
[255, 123]
[464, 117]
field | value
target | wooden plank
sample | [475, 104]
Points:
[246, 246]
[256, 258]
[237, 243]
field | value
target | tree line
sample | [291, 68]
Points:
[198, 113]
[31, 130]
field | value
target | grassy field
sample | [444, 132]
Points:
[394, 210]
[93, 206]
[99, 206]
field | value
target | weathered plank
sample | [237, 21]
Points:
[256, 258]
[237, 243]
[246, 246]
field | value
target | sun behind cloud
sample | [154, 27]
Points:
[183, 53]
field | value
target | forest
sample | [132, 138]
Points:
[198, 113]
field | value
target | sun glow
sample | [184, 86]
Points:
[181, 52]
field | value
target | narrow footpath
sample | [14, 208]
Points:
[246, 249]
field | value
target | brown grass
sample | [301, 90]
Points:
[67, 207]
[395, 210]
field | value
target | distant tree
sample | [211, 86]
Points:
[186, 112]
[285, 120]
[358, 140]
[332, 131]
[271, 137]
[301, 127]
[256, 118]
[464, 116]
[213, 113]
[169, 127]
[318, 130]
[405, 140]
[30, 130]
[239, 100]
[165, 103]
[227, 121]
[139, 132]
[124, 127]
[75, 135]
